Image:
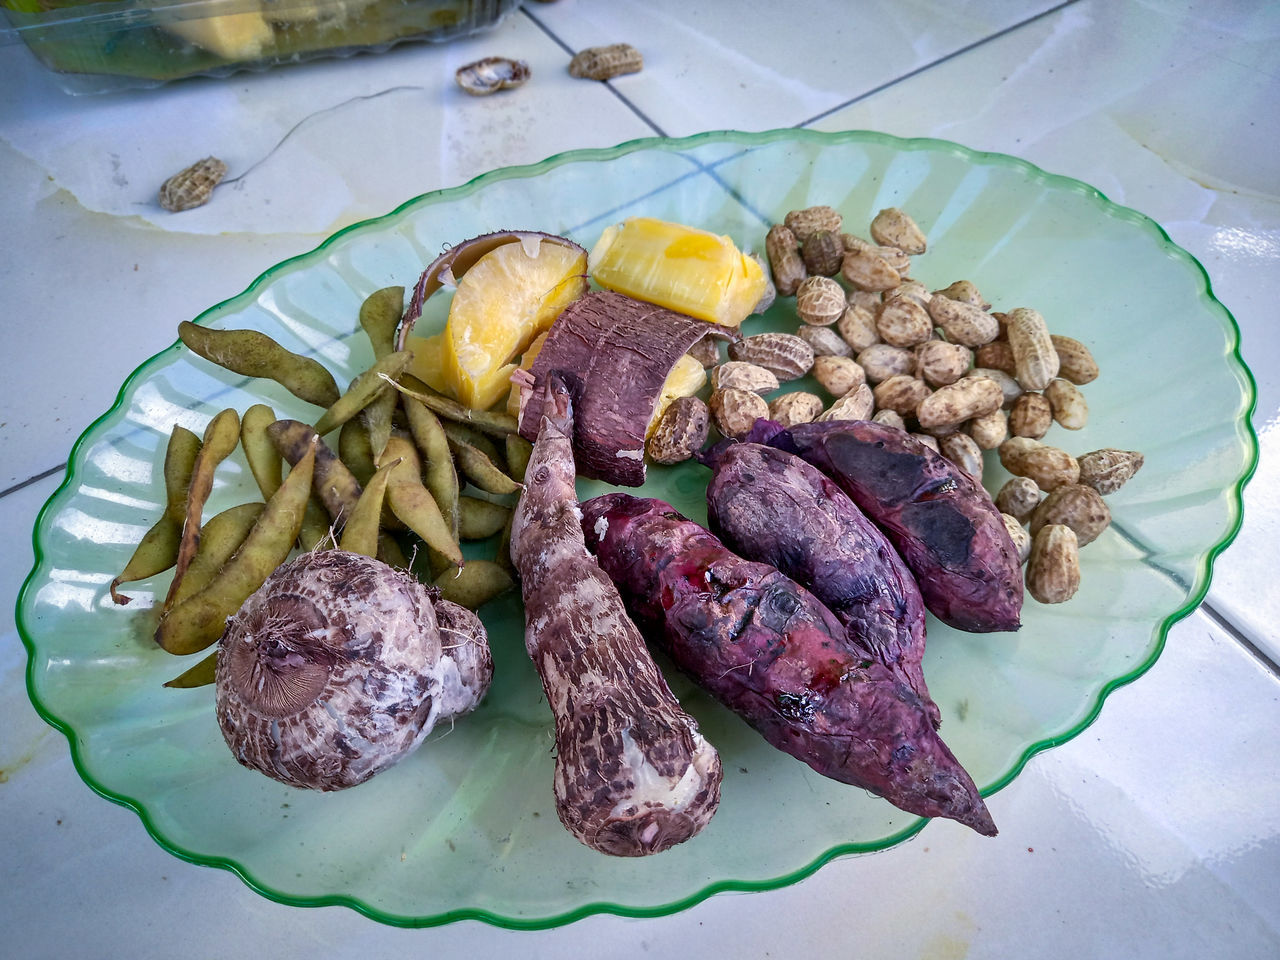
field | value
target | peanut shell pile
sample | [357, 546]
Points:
[940, 364]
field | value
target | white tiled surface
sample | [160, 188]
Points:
[1122, 843]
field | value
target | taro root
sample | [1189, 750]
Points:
[339, 666]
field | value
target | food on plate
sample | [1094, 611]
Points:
[254, 354]
[616, 353]
[221, 436]
[510, 286]
[413, 504]
[942, 522]
[158, 549]
[198, 621]
[685, 269]
[336, 668]
[334, 483]
[363, 391]
[772, 507]
[633, 776]
[770, 651]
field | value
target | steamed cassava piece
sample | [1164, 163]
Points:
[633, 776]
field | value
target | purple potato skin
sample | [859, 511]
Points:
[943, 523]
[770, 506]
[770, 651]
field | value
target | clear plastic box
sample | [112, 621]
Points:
[97, 47]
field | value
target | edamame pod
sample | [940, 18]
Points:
[200, 619]
[414, 505]
[221, 437]
[201, 675]
[355, 450]
[316, 526]
[254, 354]
[158, 550]
[489, 421]
[478, 519]
[260, 453]
[480, 469]
[475, 584]
[439, 474]
[363, 391]
[380, 316]
[360, 535]
[334, 484]
[219, 540]
[519, 450]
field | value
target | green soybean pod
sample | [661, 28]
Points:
[439, 474]
[221, 437]
[475, 584]
[460, 433]
[477, 467]
[363, 391]
[260, 453]
[413, 503]
[380, 318]
[179, 463]
[519, 450]
[488, 421]
[478, 519]
[201, 675]
[334, 484]
[355, 450]
[253, 354]
[158, 549]
[219, 540]
[316, 526]
[502, 556]
[200, 619]
[360, 535]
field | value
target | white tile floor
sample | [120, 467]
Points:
[1156, 833]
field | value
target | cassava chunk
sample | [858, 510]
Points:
[771, 652]
[770, 506]
[943, 523]
[615, 354]
[633, 776]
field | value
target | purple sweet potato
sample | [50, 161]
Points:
[633, 775]
[941, 520]
[771, 506]
[770, 651]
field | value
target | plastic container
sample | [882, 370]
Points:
[96, 47]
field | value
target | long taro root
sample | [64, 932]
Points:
[942, 521]
[771, 506]
[633, 775]
[616, 353]
[771, 652]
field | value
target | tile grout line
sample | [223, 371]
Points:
[1224, 623]
[866, 94]
[33, 479]
[612, 89]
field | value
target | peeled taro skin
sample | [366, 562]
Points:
[339, 666]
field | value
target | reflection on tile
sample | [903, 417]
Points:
[792, 64]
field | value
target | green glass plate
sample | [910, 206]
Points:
[466, 827]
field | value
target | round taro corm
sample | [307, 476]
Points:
[339, 666]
